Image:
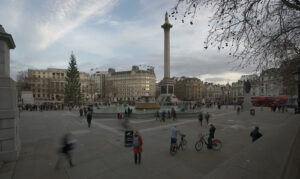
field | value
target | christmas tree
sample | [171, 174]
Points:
[72, 88]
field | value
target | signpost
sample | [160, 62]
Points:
[128, 138]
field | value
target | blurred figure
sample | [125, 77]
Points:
[89, 118]
[173, 112]
[200, 118]
[212, 131]
[85, 111]
[255, 134]
[163, 116]
[81, 111]
[137, 147]
[238, 110]
[207, 116]
[65, 151]
[157, 115]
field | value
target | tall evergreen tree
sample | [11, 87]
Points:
[72, 88]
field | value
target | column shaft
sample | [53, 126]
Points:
[167, 54]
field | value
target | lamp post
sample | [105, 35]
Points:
[297, 78]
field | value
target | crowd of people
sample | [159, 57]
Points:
[163, 115]
[68, 142]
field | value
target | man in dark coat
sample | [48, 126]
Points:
[255, 134]
[212, 131]
[200, 117]
[81, 111]
[89, 118]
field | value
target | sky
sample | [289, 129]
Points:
[116, 34]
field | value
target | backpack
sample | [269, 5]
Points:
[136, 142]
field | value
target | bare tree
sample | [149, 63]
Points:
[261, 32]
[288, 81]
[23, 82]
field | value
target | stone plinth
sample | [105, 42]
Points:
[247, 105]
[9, 114]
[9, 120]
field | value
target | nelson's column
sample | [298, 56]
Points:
[167, 84]
[9, 114]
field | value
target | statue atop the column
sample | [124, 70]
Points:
[166, 17]
[247, 104]
[247, 86]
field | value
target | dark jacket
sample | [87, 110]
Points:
[212, 130]
[89, 116]
[200, 116]
[255, 134]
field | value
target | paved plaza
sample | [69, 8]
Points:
[100, 151]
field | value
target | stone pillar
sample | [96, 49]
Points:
[9, 114]
[167, 26]
[247, 104]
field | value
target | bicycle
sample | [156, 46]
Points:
[216, 143]
[182, 144]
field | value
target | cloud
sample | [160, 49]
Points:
[49, 30]
[64, 16]
[222, 78]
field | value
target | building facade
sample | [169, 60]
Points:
[268, 83]
[216, 93]
[99, 79]
[48, 85]
[238, 87]
[188, 89]
[129, 85]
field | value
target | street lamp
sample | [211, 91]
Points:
[297, 78]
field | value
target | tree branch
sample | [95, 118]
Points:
[291, 5]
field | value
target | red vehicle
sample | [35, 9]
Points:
[266, 101]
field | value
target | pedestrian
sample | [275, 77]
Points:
[238, 110]
[169, 114]
[89, 118]
[81, 111]
[157, 115]
[65, 151]
[173, 112]
[207, 116]
[163, 116]
[85, 111]
[200, 118]
[279, 107]
[212, 131]
[255, 134]
[137, 147]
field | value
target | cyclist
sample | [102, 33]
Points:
[212, 131]
[174, 132]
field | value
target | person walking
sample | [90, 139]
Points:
[174, 132]
[85, 111]
[173, 112]
[200, 118]
[137, 147]
[212, 131]
[163, 116]
[207, 116]
[238, 110]
[81, 111]
[255, 134]
[89, 118]
[157, 115]
[169, 114]
[68, 145]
